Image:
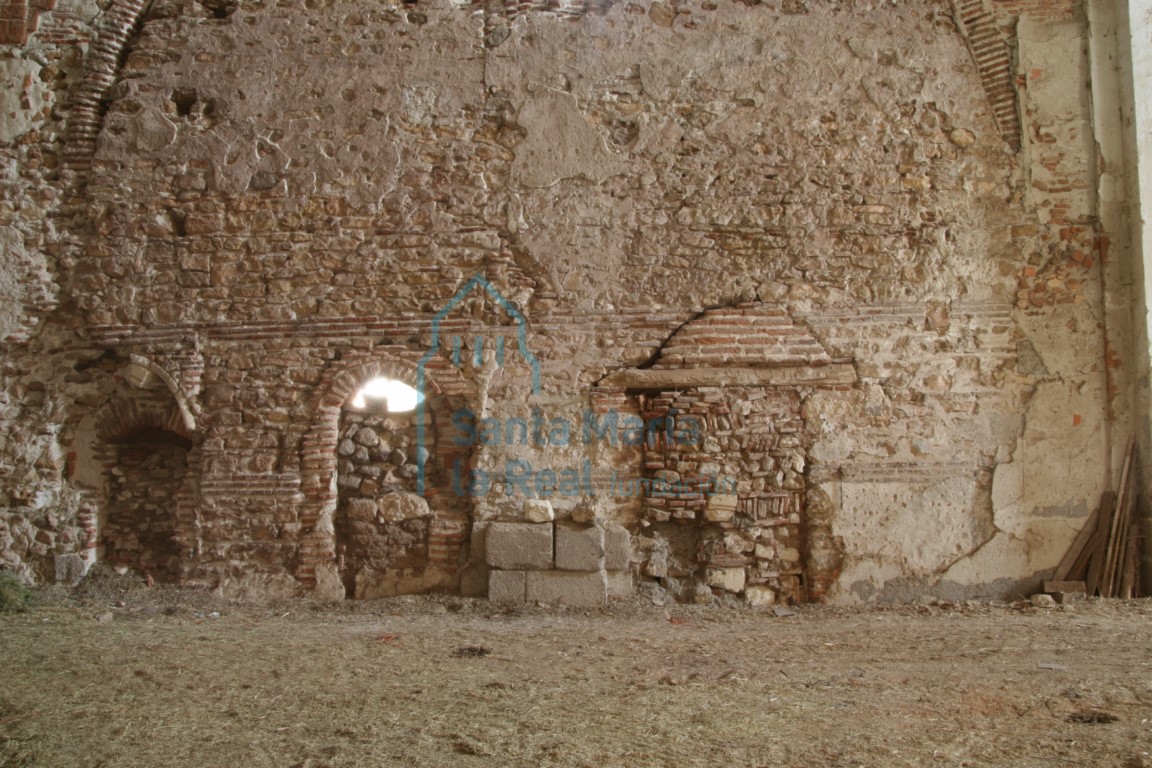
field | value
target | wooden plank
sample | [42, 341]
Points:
[1121, 555]
[1079, 570]
[1128, 580]
[1096, 559]
[1078, 545]
[1108, 578]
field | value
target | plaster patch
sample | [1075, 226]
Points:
[560, 145]
[923, 527]
[24, 99]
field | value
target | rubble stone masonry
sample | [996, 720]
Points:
[831, 270]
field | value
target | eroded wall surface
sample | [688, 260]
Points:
[854, 247]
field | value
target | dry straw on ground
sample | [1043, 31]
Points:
[115, 675]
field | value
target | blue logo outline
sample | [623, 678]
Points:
[422, 454]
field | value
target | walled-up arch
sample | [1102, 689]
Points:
[149, 460]
[726, 476]
[445, 391]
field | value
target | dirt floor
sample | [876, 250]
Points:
[117, 675]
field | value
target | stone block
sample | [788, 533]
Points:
[620, 584]
[721, 508]
[478, 542]
[70, 569]
[396, 507]
[329, 585]
[790, 555]
[585, 513]
[760, 596]
[728, 579]
[573, 588]
[519, 546]
[507, 586]
[474, 579]
[367, 437]
[538, 511]
[657, 565]
[360, 509]
[579, 547]
[617, 548]
[474, 575]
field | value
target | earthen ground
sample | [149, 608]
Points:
[134, 677]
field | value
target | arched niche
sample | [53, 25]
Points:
[150, 464]
[372, 535]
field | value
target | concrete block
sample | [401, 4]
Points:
[579, 547]
[574, 588]
[507, 586]
[617, 548]
[728, 579]
[1066, 592]
[519, 546]
[620, 584]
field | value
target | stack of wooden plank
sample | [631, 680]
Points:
[1104, 555]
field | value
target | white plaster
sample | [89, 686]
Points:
[1056, 103]
[24, 99]
[922, 527]
[560, 145]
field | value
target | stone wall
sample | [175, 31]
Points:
[858, 241]
[140, 528]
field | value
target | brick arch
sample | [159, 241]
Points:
[101, 67]
[115, 424]
[122, 417]
[992, 53]
[446, 391]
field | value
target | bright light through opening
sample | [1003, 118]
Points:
[399, 395]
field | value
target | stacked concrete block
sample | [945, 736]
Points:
[617, 548]
[507, 586]
[519, 546]
[579, 547]
[561, 562]
[575, 588]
